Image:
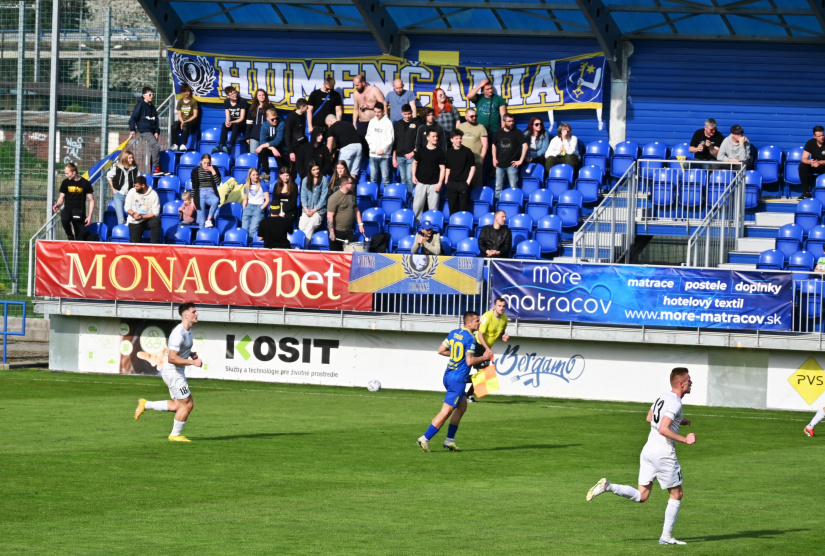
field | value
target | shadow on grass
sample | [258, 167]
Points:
[509, 402]
[527, 447]
[756, 534]
[256, 435]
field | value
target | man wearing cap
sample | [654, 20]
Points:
[427, 240]
[736, 148]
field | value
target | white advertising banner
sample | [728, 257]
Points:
[796, 381]
[399, 360]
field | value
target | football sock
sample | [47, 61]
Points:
[671, 513]
[820, 415]
[177, 428]
[625, 492]
[162, 405]
[451, 430]
[431, 432]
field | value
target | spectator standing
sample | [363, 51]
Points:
[736, 148]
[271, 142]
[429, 168]
[398, 98]
[363, 100]
[445, 115]
[235, 109]
[813, 161]
[495, 240]
[342, 211]
[295, 134]
[324, 102]
[205, 181]
[537, 141]
[143, 207]
[121, 178]
[476, 139]
[188, 111]
[314, 151]
[404, 132]
[75, 190]
[145, 122]
[509, 151]
[563, 149]
[340, 175]
[460, 169]
[429, 125]
[255, 202]
[274, 232]
[314, 196]
[256, 119]
[343, 136]
[489, 106]
[380, 137]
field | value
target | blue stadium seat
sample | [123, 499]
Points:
[467, 247]
[510, 201]
[801, 261]
[446, 246]
[402, 223]
[188, 162]
[693, 192]
[819, 189]
[532, 177]
[207, 236]
[655, 154]
[569, 208]
[236, 237]
[374, 219]
[436, 218]
[816, 241]
[768, 163]
[521, 227]
[559, 179]
[598, 154]
[663, 185]
[120, 234]
[168, 161]
[209, 140]
[810, 298]
[460, 226]
[230, 215]
[257, 243]
[243, 164]
[772, 259]
[405, 244]
[589, 183]
[808, 214]
[110, 216]
[298, 240]
[680, 151]
[395, 197]
[719, 181]
[528, 249]
[482, 200]
[181, 234]
[624, 155]
[367, 195]
[319, 241]
[789, 239]
[223, 162]
[792, 166]
[753, 188]
[168, 189]
[99, 228]
[540, 203]
[548, 234]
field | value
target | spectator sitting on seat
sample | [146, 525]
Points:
[509, 151]
[338, 177]
[563, 149]
[736, 148]
[272, 143]
[187, 209]
[445, 115]
[403, 149]
[74, 191]
[427, 240]
[537, 140]
[188, 112]
[314, 151]
[205, 181]
[121, 178]
[380, 137]
[496, 240]
[398, 98]
[143, 207]
[342, 211]
[430, 125]
[145, 122]
[294, 129]
[284, 197]
[475, 138]
[314, 195]
[235, 109]
[705, 142]
[813, 161]
[255, 202]
[256, 119]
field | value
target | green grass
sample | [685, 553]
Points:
[282, 469]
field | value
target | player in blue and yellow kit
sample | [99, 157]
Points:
[460, 347]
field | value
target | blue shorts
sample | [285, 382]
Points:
[455, 391]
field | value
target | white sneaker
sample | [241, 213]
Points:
[208, 224]
[182, 148]
[450, 445]
[424, 443]
[173, 148]
[598, 488]
[671, 540]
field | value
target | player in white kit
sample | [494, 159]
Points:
[658, 458]
[179, 353]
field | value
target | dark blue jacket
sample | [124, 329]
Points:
[274, 139]
[144, 118]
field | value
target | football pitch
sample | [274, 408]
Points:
[293, 469]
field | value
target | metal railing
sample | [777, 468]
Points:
[46, 231]
[5, 332]
[717, 233]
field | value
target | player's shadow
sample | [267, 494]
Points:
[756, 534]
[255, 435]
[525, 447]
[509, 402]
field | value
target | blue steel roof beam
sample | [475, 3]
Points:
[667, 17]
[322, 12]
[381, 25]
[166, 21]
[606, 31]
[555, 20]
[724, 19]
[785, 25]
[418, 24]
[553, 15]
[223, 11]
[782, 19]
[818, 8]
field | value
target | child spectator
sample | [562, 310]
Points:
[187, 209]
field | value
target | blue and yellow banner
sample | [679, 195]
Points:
[564, 84]
[99, 168]
[417, 274]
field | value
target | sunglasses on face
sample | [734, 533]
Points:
[149, 94]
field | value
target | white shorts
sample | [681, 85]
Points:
[664, 467]
[178, 387]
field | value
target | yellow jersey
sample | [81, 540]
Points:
[491, 327]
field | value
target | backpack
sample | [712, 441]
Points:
[380, 243]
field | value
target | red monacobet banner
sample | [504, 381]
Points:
[213, 276]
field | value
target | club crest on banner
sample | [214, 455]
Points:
[419, 267]
[197, 72]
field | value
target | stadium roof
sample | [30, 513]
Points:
[610, 22]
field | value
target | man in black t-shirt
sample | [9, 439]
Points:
[235, 108]
[342, 136]
[273, 232]
[813, 161]
[509, 151]
[460, 170]
[705, 142]
[294, 134]
[324, 102]
[74, 191]
[429, 168]
[403, 149]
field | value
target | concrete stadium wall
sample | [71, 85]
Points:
[409, 360]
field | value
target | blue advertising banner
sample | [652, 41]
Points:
[565, 84]
[694, 298]
[417, 274]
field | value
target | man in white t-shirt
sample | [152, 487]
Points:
[658, 458]
[179, 356]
